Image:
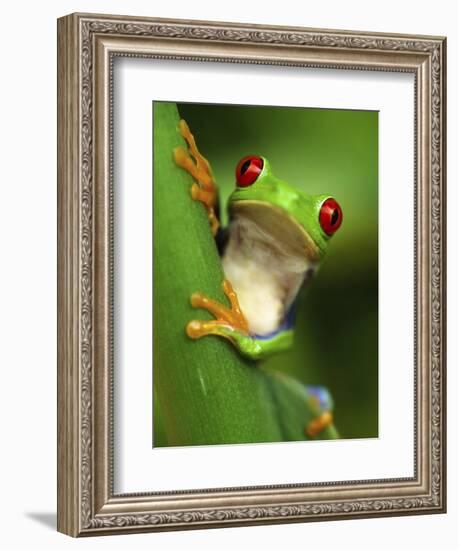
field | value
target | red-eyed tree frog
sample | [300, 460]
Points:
[276, 238]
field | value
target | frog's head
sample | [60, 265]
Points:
[300, 222]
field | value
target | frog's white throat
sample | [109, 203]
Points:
[265, 276]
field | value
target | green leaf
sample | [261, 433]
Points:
[205, 392]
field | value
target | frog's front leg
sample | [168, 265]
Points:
[204, 189]
[229, 322]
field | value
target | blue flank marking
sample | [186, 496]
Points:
[323, 396]
[287, 324]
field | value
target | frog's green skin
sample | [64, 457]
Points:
[273, 244]
[291, 217]
[253, 347]
[289, 203]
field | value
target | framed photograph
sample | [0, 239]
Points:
[251, 285]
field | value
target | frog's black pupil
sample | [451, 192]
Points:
[335, 216]
[245, 167]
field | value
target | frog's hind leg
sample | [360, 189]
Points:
[204, 189]
[318, 424]
[321, 402]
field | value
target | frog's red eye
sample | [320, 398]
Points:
[330, 216]
[248, 170]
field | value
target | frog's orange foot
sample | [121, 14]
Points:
[204, 190]
[318, 424]
[227, 319]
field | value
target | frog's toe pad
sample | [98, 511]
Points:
[196, 300]
[195, 191]
[194, 329]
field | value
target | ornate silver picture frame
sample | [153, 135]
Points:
[87, 47]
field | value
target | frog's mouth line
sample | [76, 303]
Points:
[276, 222]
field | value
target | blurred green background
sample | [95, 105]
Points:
[320, 151]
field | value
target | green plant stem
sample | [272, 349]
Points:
[207, 393]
